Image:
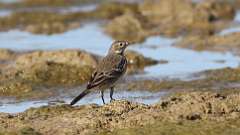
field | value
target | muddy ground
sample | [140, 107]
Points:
[179, 112]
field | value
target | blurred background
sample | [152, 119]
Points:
[183, 65]
[50, 47]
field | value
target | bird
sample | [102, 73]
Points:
[108, 71]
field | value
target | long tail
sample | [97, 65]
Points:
[80, 96]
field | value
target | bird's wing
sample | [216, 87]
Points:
[121, 66]
[99, 77]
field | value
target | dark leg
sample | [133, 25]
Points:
[102, 95]
[111, 94]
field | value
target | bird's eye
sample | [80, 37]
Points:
[121, 44]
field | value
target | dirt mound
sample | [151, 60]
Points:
[86, 119]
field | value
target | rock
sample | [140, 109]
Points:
[222, 43]
[173, 17]
[55, 74]
[28, 131]
[137, 59]
[237, 4]
[40, 21]
[56, 67]
[137, 62]
[31, 80]
[69, 57]
[33, 71]
[110, 10]
[225, 74]
[217, 10]
[126, 27]
[165, 11]
[6, 54]
[48, 28]
[32, 3]
[146, 85]
[193, 116]
[14, 88]
[203, 105]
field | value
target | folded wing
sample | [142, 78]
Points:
[99, 77]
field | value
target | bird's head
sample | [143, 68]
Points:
[118, 47]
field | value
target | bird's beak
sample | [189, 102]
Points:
[127, 43]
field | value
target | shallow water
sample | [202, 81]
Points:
[237, 17]
[9, 1]
[88, 37]
[61, 10]
[135, 96]
[5, 12]
[182, 61]
[20, 107]
[234, 28]
[230, 30]
[73, 9]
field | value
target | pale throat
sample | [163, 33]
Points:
[120, 52]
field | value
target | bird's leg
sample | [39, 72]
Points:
[102, 95]
[111, 94]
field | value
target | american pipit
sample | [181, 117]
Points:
[108, 71]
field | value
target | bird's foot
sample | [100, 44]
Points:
[112, 99]
[103, 102]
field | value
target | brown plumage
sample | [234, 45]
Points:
[108, 71]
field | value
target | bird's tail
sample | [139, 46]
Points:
[80, 96]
